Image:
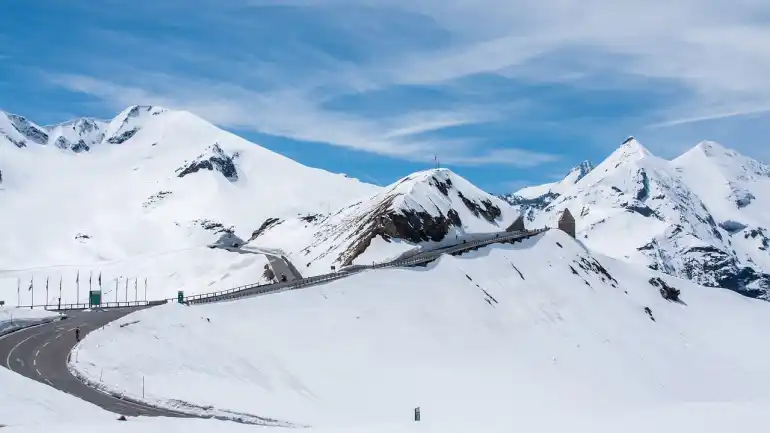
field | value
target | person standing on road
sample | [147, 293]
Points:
[77, 334]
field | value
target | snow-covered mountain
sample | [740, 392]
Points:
[142, 195]
[423, 209]
[538, 197]
[495, 340]
[703, 216]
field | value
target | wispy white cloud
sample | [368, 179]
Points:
[294, 115]
[716, 51]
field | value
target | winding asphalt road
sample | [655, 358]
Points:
[40, 353]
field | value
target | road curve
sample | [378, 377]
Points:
[40, 353]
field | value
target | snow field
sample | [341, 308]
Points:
[533, 337]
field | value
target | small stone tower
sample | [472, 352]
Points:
[567, 222]
[517, 226]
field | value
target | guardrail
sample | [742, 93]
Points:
[413, 258]
[417, 259]
[84, 306]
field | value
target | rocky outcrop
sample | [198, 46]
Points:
[28, 130]
[155, 198]
[668, 293]
[483, 208]
[266, 225]
[123, 137]
[214, 159]
[214, 226]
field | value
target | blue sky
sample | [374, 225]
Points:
[505, 92]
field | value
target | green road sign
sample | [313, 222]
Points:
[95, 297]
[180, 296]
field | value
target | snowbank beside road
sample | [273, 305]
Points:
[497, 334]
[12, 319]
[26, 402]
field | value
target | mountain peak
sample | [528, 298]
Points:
[630, 150]
[631, 144]
[578, 172]
[712, 148]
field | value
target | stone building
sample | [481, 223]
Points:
[517, 226]
[567, 222]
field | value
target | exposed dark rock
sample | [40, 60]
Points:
[418, 226]
[61, 143]
[17, 143]
[649, 313]
[444, 186]
[486, 209]
[213, 159]
[214, 226]
[644, 189]
[123, 137]
[616, 189]
[155, 198]
[309, 218]
[731, 226]
[668, 293]
[594, 266]
[27, 130]
[270, 222]
[710, 266]
[80, 146]
[582, 170]
[743, 198]
[487, 297]
[759, 232]
[641, 209]
[82, 236]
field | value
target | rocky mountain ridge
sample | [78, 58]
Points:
[702, 216]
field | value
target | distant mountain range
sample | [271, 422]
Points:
[154, 182]
[703, 216]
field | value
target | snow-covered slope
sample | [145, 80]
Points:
[141, 196]
[25, 402]
[423, 209]
[697, 217]
[493, 336]
[538, 197]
